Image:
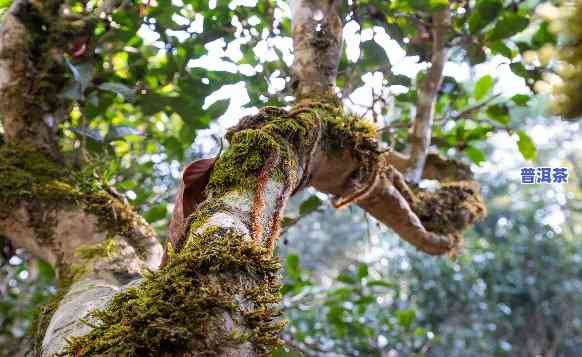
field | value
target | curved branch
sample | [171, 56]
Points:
[359, 173]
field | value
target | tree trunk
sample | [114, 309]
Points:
[217, 291]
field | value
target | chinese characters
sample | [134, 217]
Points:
[543, 175]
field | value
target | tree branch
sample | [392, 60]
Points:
[96, 243]
[317, 41]
[420, 135]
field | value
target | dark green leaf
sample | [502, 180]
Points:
[508, 25]
[380, 283]
[498, 47]
[476, 54]
[519, 69]
[344, 278]
[485, 12]
[362, 270]
[309, 205]
[499, 113]
[543, 36]
[521, 99]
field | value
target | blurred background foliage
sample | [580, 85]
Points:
[161, 80]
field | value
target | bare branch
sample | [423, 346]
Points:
[467, 112]
[419, 138]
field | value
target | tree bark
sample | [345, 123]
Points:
[217, 291]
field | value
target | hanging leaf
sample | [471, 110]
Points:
[476, 155]
[406, 317]
[362, 270]
[483, 87]
[519, 69]
[499, 113]
[309, 205]
[526, 146]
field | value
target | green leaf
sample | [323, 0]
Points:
[521, 99]
[476, 54]
[45, 270]
[499, 113]
[121, 89]
[519, 69]
[508, 25]
[543, 36]
[373, 54]
[380, 283]
[476, 155]
[5, 3]
[498, 47]
[292, 266]
[526, 146]
[406, 317]
[156, 213]
[346, 279]
[483, 87]
[484, 13]
[309, 205]
[438, 5]
[362, 270]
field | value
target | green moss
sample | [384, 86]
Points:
[27, 175]
[239, 166]
[249, 149]
[180, 308]
[105, 249]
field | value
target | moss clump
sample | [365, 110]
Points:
[252, 143]
[239, 166]
[274, 131]
[106, 249]
[180, 308]
[451, 209]
[22, 169]
[27, 175]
